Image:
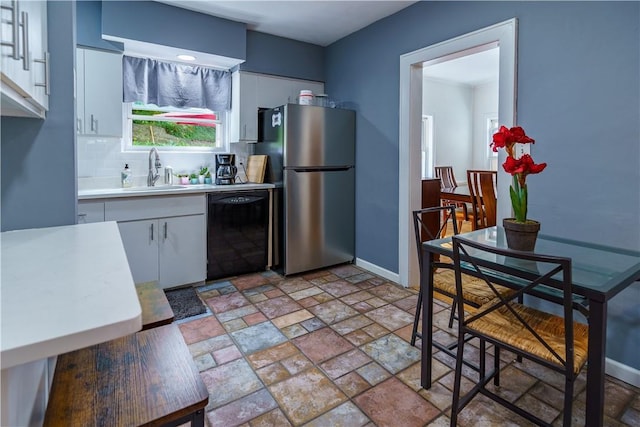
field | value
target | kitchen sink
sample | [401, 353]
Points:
[157, 188]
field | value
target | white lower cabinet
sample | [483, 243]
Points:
[164, 238]
[140, 240]
[89, 212]
[168, 250]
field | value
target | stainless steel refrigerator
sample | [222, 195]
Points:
[311, 160]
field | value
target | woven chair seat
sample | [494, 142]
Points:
[476, 291]
[502, 325]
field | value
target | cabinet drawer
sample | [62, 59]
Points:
[153, 207]
[90, 212]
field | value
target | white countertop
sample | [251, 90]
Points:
[166, 189]
[64, 288]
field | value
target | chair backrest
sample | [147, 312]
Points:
[429, 224]
[528, 270]
[445, 173]
[482, 189]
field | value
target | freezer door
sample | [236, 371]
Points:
[319, 218]
[318, 136]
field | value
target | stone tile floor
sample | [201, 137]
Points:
[331, 348]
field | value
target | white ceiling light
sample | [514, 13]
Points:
[186, 57]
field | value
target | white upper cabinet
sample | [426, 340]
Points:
[24, 60]
[252, 91]
[244, 107]
[99, 92]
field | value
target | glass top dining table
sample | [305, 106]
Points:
[598, 273]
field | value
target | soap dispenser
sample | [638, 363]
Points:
[125, 176]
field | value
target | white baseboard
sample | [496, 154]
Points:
[622, 372]
[389, 275]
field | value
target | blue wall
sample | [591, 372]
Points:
[89, 13]
[39, 156]
[578, 96]
[270, 54]
[166, 25]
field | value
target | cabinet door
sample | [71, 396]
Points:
[80, 90]
[140, 240]
[275, 91]
[244, 108]
[36, 17]
[182, 250]
[13, 70]
[102, 93]
[24, 44]
[90, 212]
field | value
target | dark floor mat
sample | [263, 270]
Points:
[185, 302]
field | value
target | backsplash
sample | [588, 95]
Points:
[100, 161]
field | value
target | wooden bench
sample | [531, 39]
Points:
[156, 310]
[146, 378]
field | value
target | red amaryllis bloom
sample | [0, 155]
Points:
[506, 138]
[522, 167]
[518, 168]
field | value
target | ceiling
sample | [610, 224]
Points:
[471, 69]
[311, 21]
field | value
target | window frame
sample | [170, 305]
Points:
[222, 121]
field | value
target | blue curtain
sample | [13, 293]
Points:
[167, 84]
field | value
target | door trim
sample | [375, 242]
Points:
[503, 34]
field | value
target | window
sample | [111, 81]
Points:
[174, 129]
[427, 146]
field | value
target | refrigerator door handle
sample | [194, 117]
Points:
[321, 169]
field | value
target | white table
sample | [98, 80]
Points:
[62, 289]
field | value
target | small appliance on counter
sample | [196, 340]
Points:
[226, 169]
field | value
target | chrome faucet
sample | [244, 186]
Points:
[153, 177]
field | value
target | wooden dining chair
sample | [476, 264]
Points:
[482, 189]
[448, 180]
[428, 225]
[556, 342]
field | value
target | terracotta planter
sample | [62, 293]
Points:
[521, 236]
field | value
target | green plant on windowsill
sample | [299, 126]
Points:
[207, 178]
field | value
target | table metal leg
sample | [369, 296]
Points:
[426, 284]
[595, 363]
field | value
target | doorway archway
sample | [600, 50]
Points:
[505, 36]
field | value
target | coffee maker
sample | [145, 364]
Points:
[226, 169]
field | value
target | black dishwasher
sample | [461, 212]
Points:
[237, 233]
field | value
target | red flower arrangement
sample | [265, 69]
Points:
[518, 168]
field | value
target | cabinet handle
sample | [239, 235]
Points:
[151, 232]
[79, 125]
[15, 33]
[165, 230]
[25, 41]
[45, 61]
[82, 215]
[94, 124]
